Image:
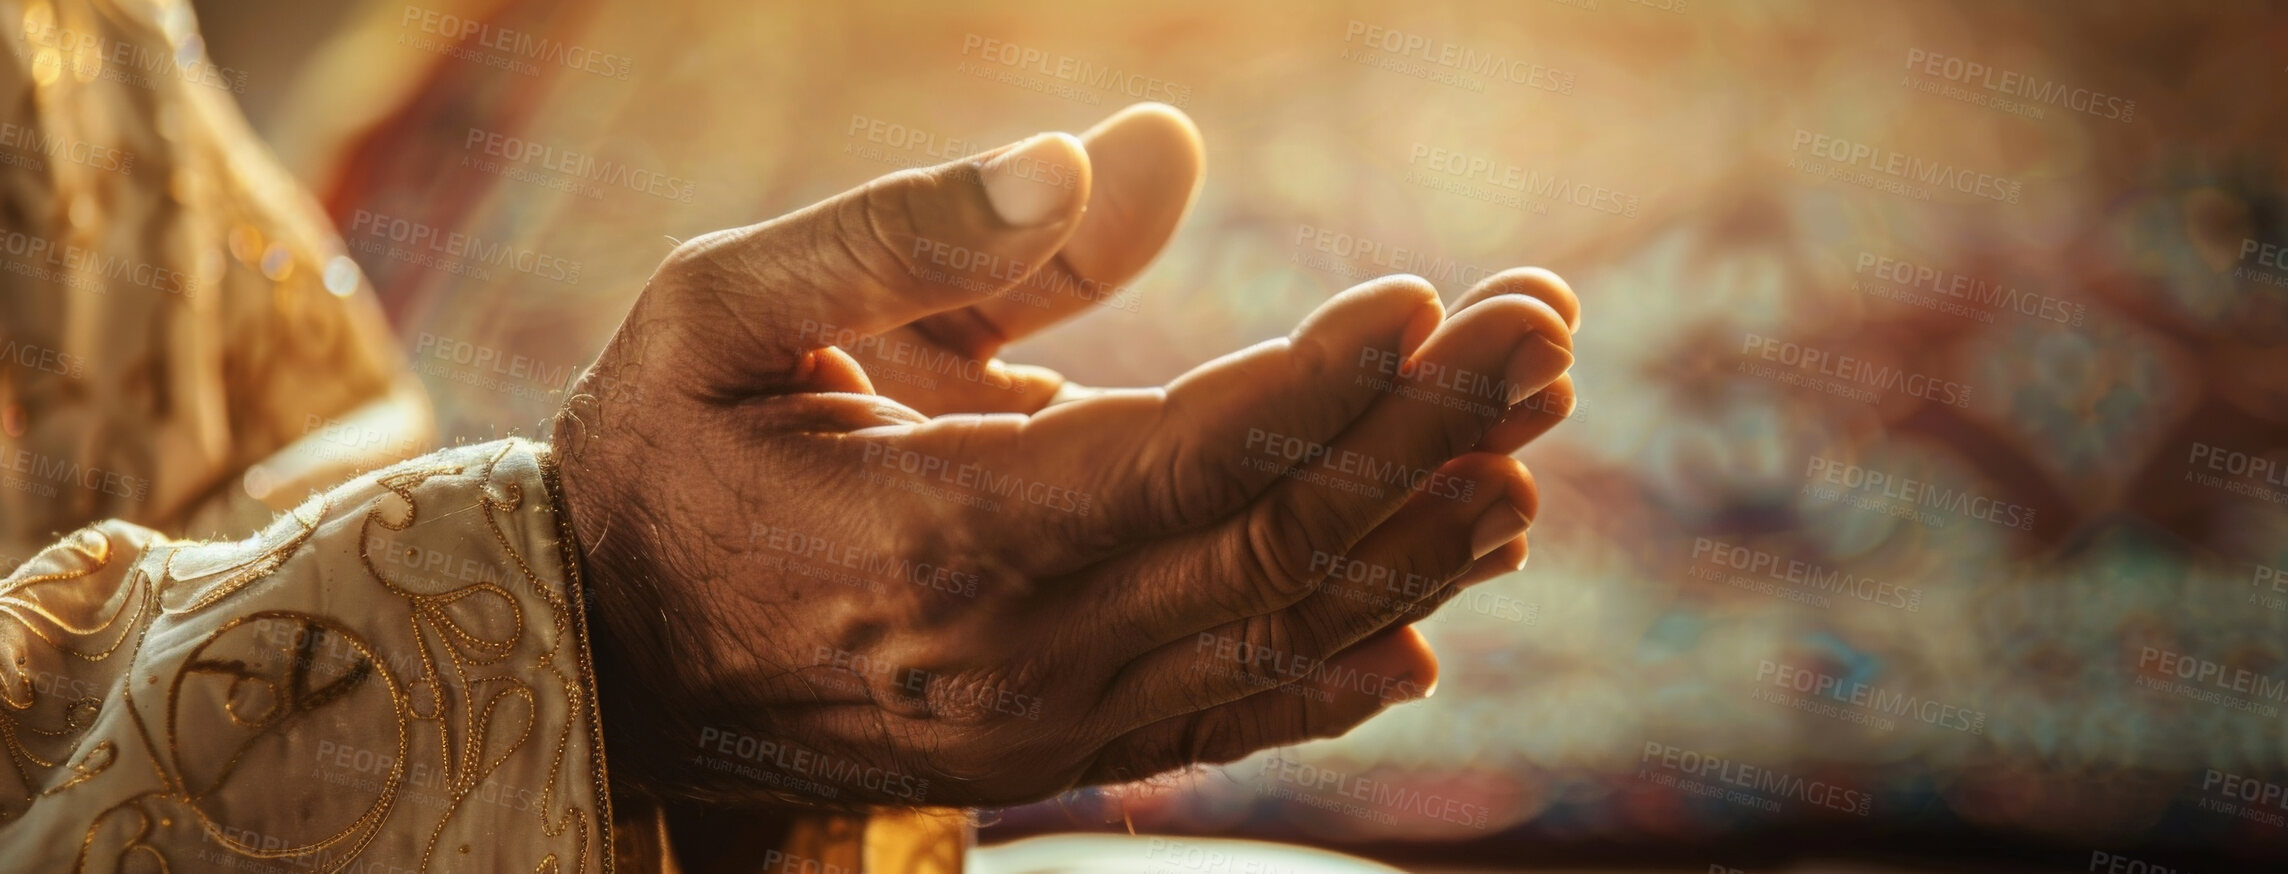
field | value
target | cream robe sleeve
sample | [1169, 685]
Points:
[392, 676]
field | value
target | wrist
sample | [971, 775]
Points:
[659, 720]
[631, 714]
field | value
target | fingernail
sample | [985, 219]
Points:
[1535, 364]
[1031, 183]
[1501, 524]
[1411, 688]
[1399, 668]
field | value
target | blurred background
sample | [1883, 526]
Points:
[1926, 495]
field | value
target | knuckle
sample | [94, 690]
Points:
[974, 758]
[965, 700]
[877, 228]
[1327, 627]
[1408, 284]
[699, 263]
[1264, 654]
[1312, 359]
[1221, 736]
[1202, 733]
[1459, 430]
[1148, 759]
[1529, 314]
[1366, 607]
[1200, 489]
[1279, 543]
[1212, 663]
[1537, 282]
[1425, 576]
[1535, 277]
[1434, 560]
[699, 249]
[1436, 600]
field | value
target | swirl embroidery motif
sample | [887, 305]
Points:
[273, 705]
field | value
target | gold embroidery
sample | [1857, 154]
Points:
[447, 652]
[89, 543]
[293, 698]
[576, 595]
[22, 600]
[97, 760]
[261, 567]
[139, 842]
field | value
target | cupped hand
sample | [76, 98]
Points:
[808, 589]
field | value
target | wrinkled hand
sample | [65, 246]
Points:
[809, 590]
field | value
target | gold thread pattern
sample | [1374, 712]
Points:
[393, 676]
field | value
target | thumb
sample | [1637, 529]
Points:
[749, 304]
